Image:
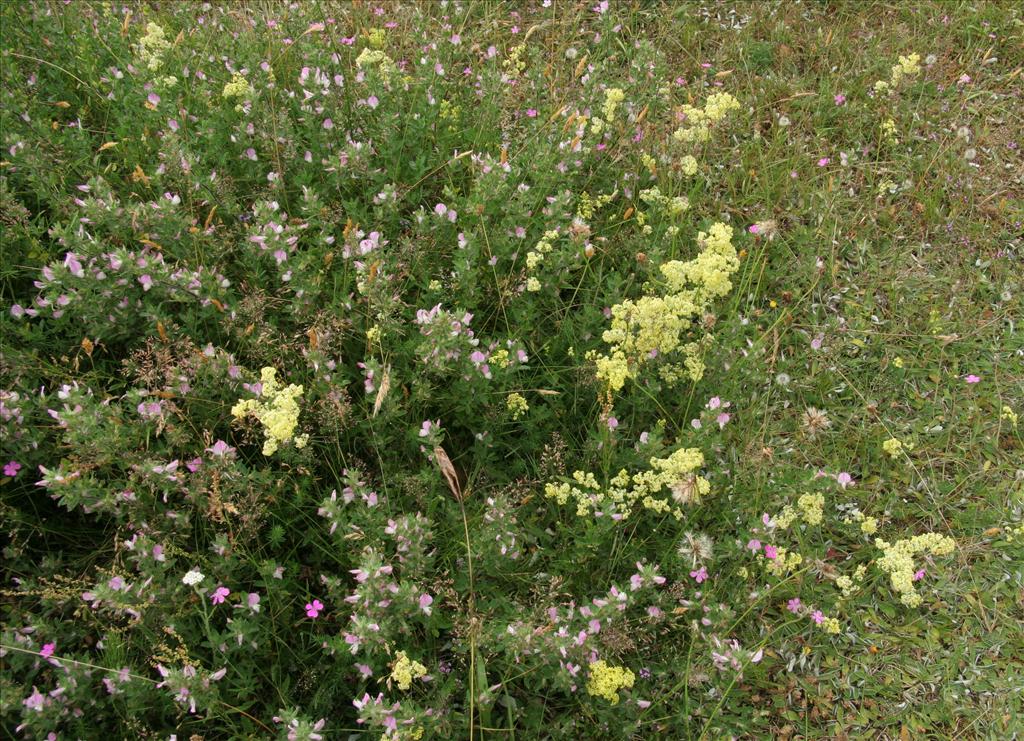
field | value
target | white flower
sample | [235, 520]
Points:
[193, 577]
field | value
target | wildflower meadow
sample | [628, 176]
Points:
[555, 369]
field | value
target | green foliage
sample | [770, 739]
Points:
[495, 248]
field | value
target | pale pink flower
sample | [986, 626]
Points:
[219, 595]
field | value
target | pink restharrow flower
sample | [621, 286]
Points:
[700, 575]
[219, 595]
[313, 608]
[47, 650]
[973, 378]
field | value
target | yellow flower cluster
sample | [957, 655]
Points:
[237, 88]
[404, 670]
[153, 46]
[897, 560]
[536, 256]
[784, 562]
[612, 97]
[277, 409]
[588, 205]
[606, 681]
[376, 58]
[831, 626]
[699, 121]
[895, 447]
[655, 325]
[624, 492]
[688, 165]
[905, 67]
[671, 206]
[1009, 415]
[889, 131]
[809, 507]
[868, 525]
[847, 583]
[517, 405]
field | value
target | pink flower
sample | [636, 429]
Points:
[612, 423]
[771, 552]
[823, 161]
[12, 468]
[220, 449]
[818, 617]
[313, 608]
[793, 605]
[722, 419]
[425, 602]
[47, 650]
[844, 479]
[700, 575]
[154, 99]
[973, 378]
[919, 575]
[146, 281]
[219, 595]
[754, 228]
[253, 600]
[531, 112]
[839, 99]
[754, 545]
[714, 402]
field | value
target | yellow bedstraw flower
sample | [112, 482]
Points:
[517, 405]
[277, 409]
[688, 165]
[895, 447]
[626, 493]
[237, 88]
[153, 46]
[606, 681]
[612, 97]
[404, 670]
[699, 121]
[897, 560]
[655, 325]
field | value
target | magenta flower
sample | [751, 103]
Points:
[818, 617]
[12, 468]
[771, 552]
[219, 595]
[313, 608]
[839, 99]
[919, 575]
[973, 378]
[700, 575]
[793, 605]
[823, 161]
[47, 650]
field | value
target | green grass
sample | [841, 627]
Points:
[871, 307]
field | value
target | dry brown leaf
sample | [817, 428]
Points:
[382, 392]
[448, 471]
